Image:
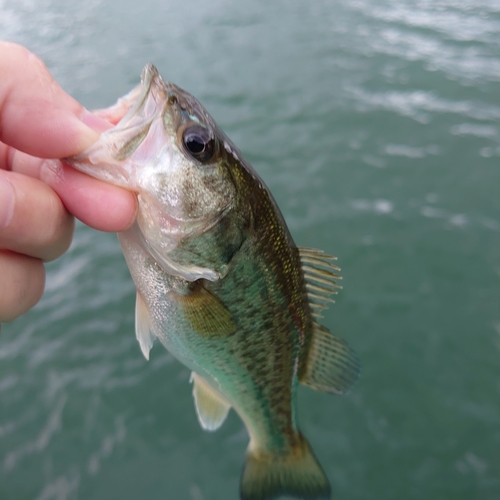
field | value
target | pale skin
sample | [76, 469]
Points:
[39, 198]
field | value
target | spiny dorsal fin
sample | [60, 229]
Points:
[320, 274]
[206, 313]
[211, 409]
[331, 365]
[143, 331]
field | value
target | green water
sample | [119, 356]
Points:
[376, 125]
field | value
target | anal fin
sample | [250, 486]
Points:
[331, 365]
[211, 409]
[143, 331]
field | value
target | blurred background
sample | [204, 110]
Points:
[376, 125]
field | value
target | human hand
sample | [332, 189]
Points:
[38, 196]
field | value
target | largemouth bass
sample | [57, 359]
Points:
[221, 283]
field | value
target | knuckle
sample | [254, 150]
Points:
[40, 225]
[57, 236]
[23, 284]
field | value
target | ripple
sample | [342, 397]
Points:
[488, 131]
[8, 382]
[459, 220]
[459, 23]
[62, 487]
[52, 426]
[488, 152]
[467, 63]
[107, 446]
[458, 39]
[67, 272]
[382, 207]
[410, 151]
[10, 22]
[417, 104]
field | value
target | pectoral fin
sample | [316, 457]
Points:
[211, 409]
[143, 331]
[206, 313]
[331, 365]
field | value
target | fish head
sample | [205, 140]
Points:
[170, 152]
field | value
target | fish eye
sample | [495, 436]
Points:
[199, 142]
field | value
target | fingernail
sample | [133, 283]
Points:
[6, 202]
[89, 130]
[95, 122]
[91, 127]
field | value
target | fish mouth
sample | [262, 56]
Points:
[134, 115]
[137, 98]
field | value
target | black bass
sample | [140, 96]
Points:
[221, 283]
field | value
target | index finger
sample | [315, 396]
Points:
[37, 116]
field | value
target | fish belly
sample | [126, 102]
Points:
[253, 369]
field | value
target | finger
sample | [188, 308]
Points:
[100, 205]
[33, 220]
[23, 281]
[114, 113]
[38, 117]
[96, 203]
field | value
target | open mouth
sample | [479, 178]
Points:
[132, 117]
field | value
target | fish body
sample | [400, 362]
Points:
[220, 282]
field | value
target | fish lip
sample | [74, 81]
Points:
[116, 176]
[150, 79]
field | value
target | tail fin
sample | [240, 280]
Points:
[298, 475]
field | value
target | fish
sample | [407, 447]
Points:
[220, 282]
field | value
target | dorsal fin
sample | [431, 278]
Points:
[331, 365]
[143, 331]
[211, 409]
[320, 274]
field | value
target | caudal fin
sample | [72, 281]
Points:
[298, 475]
